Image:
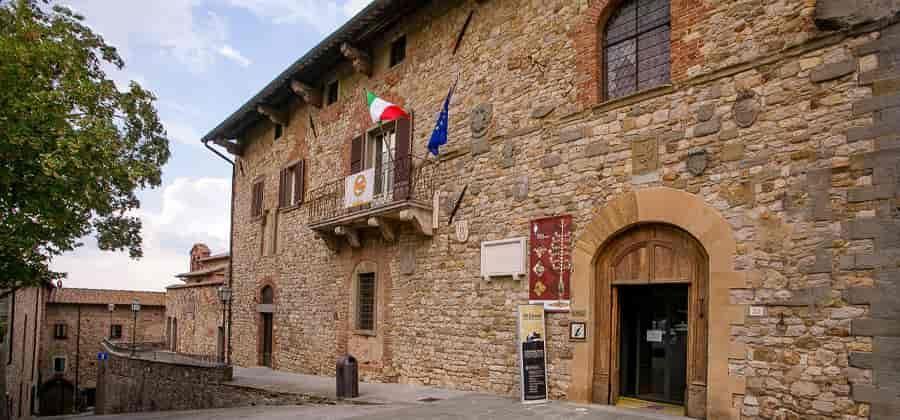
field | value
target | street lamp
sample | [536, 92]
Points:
[135, 308]
[112, 308]
[224, 297]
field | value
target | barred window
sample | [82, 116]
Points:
[365, 302]
[636, 47]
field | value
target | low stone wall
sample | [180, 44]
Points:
[149, 381]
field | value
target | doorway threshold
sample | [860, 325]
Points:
[657, 407]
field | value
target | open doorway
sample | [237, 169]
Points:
[653, 342]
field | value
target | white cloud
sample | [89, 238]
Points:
[182, 133]
[235, 55]
[324, 16]
[193, 210]
[176, 28]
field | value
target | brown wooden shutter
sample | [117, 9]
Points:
[299, 181]
[356, 155]
[257, 199]
[281, 188]
[402, 159]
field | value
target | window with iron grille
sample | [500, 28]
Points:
[365, 302]
[115, 331]
[59, 364]
[257, 200]
[398, 50]
[331, 93]
[59, 331]
[636, 47]
[292, 185]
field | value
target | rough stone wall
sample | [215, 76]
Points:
[874, 235]
[128, 385]
[84, 345]
[24, 342]
[768, 100]
[199, 314]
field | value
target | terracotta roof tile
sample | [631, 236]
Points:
[104, 296]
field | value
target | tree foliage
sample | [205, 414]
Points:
[73, 147]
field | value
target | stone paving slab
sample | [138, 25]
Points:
[325, 386]
[472, 406]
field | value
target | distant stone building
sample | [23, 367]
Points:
[26, 314]
[75, 324]
[720, 179]
[194, 323]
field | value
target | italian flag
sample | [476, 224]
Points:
[382, 110]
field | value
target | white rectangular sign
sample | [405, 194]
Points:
[359, 188]
[654, 336]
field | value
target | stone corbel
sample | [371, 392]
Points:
[350, 233]
[421, 220]
[309, 94]
[277, 116]
[387, 231]
[359, 58]
[330, 241]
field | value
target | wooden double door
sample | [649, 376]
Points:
[651, 318]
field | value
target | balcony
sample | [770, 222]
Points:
[403, 193]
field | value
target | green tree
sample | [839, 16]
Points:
[73, 147]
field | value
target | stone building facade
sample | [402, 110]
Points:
[194, 316]
[21, 350]
[757, 178]
[75, 324]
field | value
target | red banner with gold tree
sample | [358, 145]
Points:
[550, 262]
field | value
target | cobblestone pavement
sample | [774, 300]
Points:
[481, 407]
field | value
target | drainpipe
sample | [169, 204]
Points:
[230, 251]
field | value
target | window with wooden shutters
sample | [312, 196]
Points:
[256, 205]
[636, 47]
[291, 188]
[356, 155]
[365, 302]
[60, 331]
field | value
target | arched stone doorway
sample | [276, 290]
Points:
[57, 397]
[650, 318]
[266, 311]
[690, 214]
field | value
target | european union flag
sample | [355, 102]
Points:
[439, 135]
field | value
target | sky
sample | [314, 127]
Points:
[202, 59]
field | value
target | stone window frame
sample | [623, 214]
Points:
[364, 267]
[65, 364]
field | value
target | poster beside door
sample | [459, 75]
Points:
[532, 353]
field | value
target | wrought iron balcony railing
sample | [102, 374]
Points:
[410, 180]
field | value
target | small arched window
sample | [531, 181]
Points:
[267, 295]
[636, 47]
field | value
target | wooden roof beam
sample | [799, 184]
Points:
[359, 58]
[309, 94]
[276, 115]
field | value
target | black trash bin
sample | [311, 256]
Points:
[347, 377]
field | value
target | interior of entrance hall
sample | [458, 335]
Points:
[653, 342]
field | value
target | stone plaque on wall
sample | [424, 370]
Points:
[644, 156]
[480, 120]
